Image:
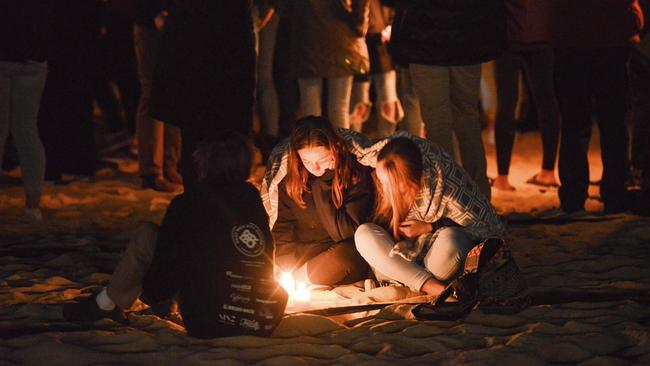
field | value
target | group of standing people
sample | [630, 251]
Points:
[196, 63]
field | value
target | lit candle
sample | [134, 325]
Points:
[298, 291]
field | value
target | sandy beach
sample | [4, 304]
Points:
[589, 277]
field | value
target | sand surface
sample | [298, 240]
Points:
[590, 277]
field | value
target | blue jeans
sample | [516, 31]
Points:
[338, 99]
[21, 88]
[444, 261]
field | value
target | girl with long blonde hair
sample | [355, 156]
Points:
[399, 182]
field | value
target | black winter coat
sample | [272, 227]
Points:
[449, 32]
[205, 75]
[215, 250]
[302, 233]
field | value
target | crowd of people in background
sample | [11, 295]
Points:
[166, 73]
[186, 85]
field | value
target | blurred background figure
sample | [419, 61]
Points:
[529, 49]
[24, 38]
[412, 120]
[327, 43]
[639, 75]
[116, 82]
[267, 22]
[382, 77]
[159, 144]
[444, 57]
[204, 79]
[66, 115]
[593, 40]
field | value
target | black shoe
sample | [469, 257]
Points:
[160, 184]
[87, 310]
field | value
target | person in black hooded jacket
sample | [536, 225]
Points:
[214, 251]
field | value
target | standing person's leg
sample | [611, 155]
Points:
[359, 102]
[573, 84]
[388, 105]
[189, 141]
[431, 85]
[149, 131]
[639, 79]
[27, 89]
[506, 73]
[7, 70]
[268, 96]
[338, 100]
[610, 89]
[81, 149]
[311, 95]
[464, 88]
[412, 117]
[171, 153]
[538, 66]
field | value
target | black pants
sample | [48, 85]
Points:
[592, 81]
[327, 263]
[65, 118]
[639, 68]
[537, 65]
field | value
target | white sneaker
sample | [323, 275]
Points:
[32, 215]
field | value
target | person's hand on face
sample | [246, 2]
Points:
[316, 159]
[414, 228]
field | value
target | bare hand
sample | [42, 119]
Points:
[414, 228]
[386, 33]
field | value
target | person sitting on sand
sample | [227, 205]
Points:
[214, 251]
[428, 216]
[324, 197]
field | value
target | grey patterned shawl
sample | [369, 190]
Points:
[448, 191]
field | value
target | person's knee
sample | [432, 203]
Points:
[454, 241]
[364, 238]
[448, 253]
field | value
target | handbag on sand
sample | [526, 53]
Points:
[491, 281]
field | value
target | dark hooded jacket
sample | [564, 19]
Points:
[449, 32]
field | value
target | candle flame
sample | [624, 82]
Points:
[298, 291]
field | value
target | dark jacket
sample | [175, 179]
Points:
[205, 75]
[529, 22]
[327, 40]
[25, 29]
[449, 32]
[302, 233]
[215, 250]
[595, 24]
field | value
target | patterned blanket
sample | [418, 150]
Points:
[447, 192]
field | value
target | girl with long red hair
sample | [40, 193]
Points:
[402, 244]
[324, 197]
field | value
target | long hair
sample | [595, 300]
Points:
[224, 158]
[401, 159]
[314, 131]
